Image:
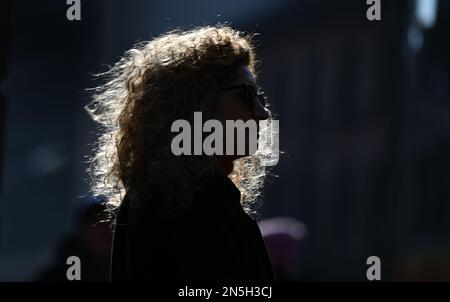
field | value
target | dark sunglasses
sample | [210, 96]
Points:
[251, 95]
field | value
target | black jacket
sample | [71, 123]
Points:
[213, 240]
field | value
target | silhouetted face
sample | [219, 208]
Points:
[240, 101]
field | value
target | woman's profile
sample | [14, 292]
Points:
[180, 217]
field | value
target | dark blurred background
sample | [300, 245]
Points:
[364, 110]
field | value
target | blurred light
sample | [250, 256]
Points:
[45, 159]
[426, 11]
[283, 225]
[415, 37]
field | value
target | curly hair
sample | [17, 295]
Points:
[152, 85]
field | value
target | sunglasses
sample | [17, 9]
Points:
[250, 94]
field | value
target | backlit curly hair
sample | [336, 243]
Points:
[154, 84]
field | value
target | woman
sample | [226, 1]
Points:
[184, 217]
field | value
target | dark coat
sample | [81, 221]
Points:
[213, 240]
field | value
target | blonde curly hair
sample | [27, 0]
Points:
[154, 84]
